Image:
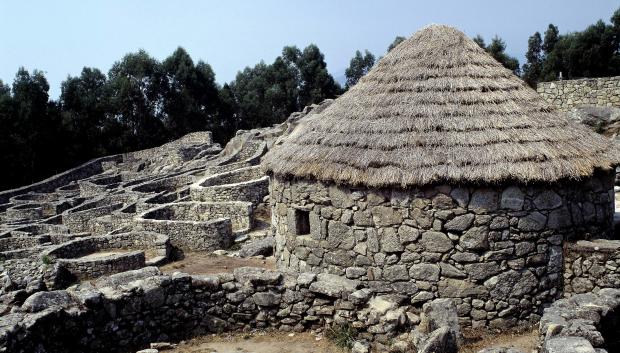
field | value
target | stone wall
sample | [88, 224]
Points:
[604, 91]
[190, 226]
[50, 184]
[127, 311]
[590, 266]
[246, 184]
[77, 221]
[89, 268]
[497, 251]
[583, 323]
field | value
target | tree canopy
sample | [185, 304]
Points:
[360, 65]
[142, 102]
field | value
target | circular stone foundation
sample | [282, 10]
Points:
[496, 250]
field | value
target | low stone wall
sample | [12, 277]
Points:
[568, 94]
[238, 212]
[590, 266]
[33, 197]
[28, 211]
[50, 184]
[82, 269]
[131, 240]
[584, 323]
[98, 185]
[198, 225]
[70, 254]
[7, 244]
[77, 221]
[246, 184]
[127, 311]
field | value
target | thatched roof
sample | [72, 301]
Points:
[439, 108]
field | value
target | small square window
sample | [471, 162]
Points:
[302, 222]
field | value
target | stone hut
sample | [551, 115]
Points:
[441, 174]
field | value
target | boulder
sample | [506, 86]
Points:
[567, 345]
[258, 247]
[43, 300]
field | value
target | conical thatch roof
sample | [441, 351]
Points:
[439, 108]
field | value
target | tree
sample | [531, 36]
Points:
[316, 82]
[480, 41]
[497, 49]
[395, 43]
[191, 99]
[137, 89]
[534, 56]
[84, 103]
[34, 127]
[551, 39]
[358, 67]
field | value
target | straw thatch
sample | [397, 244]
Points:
[439, 108]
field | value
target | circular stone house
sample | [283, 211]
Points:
[442, 174]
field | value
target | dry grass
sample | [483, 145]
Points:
[439, 108]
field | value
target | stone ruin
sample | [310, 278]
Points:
[408, 270]
[80, 273]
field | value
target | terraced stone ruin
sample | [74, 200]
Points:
[438, 196]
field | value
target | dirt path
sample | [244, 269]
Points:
[258, 343]
[205, 264]
[525, 341]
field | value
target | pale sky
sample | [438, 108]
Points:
[62, 36]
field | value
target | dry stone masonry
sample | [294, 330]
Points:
[496, 251]
[568, 94]
[406, 237]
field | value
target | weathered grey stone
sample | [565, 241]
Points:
[43, 300]
[333, 286]
[390, 241]
[547, 200]
[395, 273]
[460, 223]
[511, 284]
[256, 276]
[501, 350]
[360, 347]
[461, 196]
[340, 258]
[386, 216]
[568, 345]
[484, 200]
[408, 234]
[440, 340]
[304, 279]
[559, 218]
[266, 299]
[355, 272]
[257, 247]
[435, 242]
[425, 272]
[482, 271]
[513, 198]
[475, 238]
[532, 222]
[455, 288]
[448, 270]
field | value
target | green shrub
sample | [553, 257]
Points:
[342, 335]
[46, 260]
